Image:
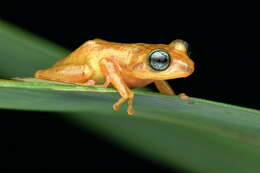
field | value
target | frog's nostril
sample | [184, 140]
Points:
[190, 69]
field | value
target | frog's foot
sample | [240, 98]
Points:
[183, 96]
[92, 83]
[130, 109]
[88, 83]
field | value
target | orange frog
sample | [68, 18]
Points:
[101, 63]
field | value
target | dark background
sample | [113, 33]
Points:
[224, 40]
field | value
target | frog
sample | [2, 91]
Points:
[124, 66]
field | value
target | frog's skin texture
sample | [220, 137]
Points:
[101, 63]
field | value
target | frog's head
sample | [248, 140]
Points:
[163, 62]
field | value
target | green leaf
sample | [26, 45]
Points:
[23, 50]
[194, 134]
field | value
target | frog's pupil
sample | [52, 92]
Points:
[159, 60]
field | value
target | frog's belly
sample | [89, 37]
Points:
[135, 82]
[131, 82]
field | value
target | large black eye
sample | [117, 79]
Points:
[159, 60]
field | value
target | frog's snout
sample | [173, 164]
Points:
[189, 69]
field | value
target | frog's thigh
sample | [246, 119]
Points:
[164, 87]
[66, 73]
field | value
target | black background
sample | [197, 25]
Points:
[224, 40]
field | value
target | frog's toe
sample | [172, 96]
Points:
[130, 109]
[183, 96]
[116, 107]
[90, 82]
[118, 104]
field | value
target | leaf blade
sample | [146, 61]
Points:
[196, 134]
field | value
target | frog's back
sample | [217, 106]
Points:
[94, 50]
[80, 55]
[84, 63]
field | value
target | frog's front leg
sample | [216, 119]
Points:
[112, 73]
[165, 88]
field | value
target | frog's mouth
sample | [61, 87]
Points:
[186, 69]
[179, 69]
[173, 76]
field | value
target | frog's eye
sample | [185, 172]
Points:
[159, 60]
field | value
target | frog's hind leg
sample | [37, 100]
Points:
[75, 74]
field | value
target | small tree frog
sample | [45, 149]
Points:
[124, 65]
